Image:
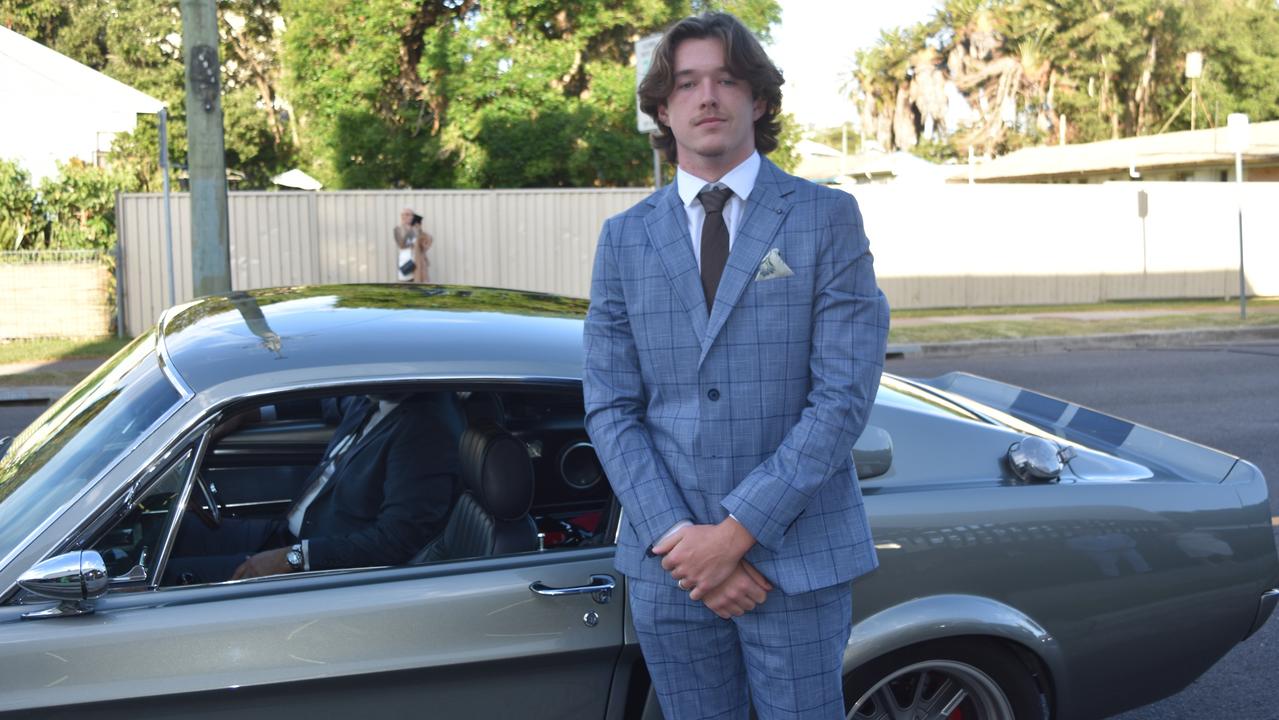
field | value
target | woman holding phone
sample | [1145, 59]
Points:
[411, 243]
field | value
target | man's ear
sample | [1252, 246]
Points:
[759, 106]
[661, 115]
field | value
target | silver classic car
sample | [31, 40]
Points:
[1038, 559]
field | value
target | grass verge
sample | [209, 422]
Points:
[21, 351]
[1179, 306]
[51, 378]
[1064, 327]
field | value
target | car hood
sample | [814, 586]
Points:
[1164, 455]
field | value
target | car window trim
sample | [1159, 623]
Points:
[368, 576]
[184, 497]
[92, 484]
[166, 362]
[86, 532]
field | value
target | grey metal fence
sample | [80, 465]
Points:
[525, 239]
[935, 246]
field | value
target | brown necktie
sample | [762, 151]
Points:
[714, 241]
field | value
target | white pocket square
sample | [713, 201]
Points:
[773, 267]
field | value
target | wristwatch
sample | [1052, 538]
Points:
[294, 558]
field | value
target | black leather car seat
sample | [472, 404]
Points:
[491, 516]
[481, 406]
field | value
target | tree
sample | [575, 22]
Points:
[996, 75]
[384, 93]
[80, 205]
[21, 214]
[139, 43]
[471, 94]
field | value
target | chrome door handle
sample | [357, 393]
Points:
[601, 589]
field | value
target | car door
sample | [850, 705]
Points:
[469, 639]
[533, 635]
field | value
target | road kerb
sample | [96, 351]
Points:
[1124, 341]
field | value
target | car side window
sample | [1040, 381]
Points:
[366, 478]
[131, 548]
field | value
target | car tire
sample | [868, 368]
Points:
[932, 680]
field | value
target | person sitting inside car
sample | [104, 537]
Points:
[382, 491]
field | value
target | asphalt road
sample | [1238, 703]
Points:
[1224, 397]
[14, 417]
[1221, 396]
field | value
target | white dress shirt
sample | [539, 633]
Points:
[741, 180]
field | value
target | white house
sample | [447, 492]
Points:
[1185, 156]
[55, 109]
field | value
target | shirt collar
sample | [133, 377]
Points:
[740, 179]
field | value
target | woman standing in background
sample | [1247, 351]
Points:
[411, 243]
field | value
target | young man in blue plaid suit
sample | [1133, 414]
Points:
[733, 349]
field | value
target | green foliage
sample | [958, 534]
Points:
[80, 206]
[521, 93]
[21, 213]
[1101, 69]
[786, 156]
[385, 93]
[138, 42]
[73, 211]
[834, 137]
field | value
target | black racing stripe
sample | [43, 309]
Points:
[1040, 406]
[1112, 431]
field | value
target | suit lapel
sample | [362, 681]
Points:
[372, 435]
[762, 217]
[667, 225]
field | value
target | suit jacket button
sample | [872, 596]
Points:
[713, 394]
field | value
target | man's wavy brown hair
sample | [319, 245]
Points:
[746, 60]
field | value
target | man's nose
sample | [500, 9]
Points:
[709, 92]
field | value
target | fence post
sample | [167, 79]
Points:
[119, 268]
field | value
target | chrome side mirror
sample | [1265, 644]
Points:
[75, 578]
[873, 453]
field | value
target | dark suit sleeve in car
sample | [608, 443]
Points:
[391, 503]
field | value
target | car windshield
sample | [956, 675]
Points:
[79, 437]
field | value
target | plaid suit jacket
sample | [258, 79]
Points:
[754, 409]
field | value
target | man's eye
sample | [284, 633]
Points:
[728, 81]
[685, 85]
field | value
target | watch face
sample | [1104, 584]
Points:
[294, 559]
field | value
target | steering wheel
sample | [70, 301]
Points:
[205, 506]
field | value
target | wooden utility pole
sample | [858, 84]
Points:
[206, 157]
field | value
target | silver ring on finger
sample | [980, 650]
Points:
[680, 584]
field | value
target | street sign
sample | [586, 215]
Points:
[1237, 133]
[1194, 65]
[644, 48]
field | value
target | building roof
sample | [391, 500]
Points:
[56, 108]
[296, 178]
[899, 164]
[1186, 149]
[30, 70]
[823, 163]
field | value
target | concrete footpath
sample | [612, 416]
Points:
[16, 389]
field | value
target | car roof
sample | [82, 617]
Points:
[338, 331]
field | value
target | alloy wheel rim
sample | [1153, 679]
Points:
[934, 690]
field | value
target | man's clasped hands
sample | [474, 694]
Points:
[708, 561]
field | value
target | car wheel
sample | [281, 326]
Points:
[950, 680]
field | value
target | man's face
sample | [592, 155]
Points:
[405, 217]
[711, 113]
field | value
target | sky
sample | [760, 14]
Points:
[814, 46]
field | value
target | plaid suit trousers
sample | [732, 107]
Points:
[787, 651]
